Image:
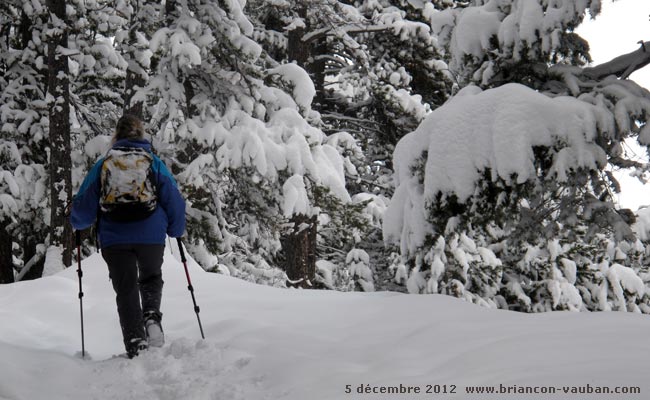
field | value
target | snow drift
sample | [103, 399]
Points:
[267, 343]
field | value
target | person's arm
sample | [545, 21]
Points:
[170, 198]
[85, 204]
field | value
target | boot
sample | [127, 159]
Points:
[135, 346]
[152, 327]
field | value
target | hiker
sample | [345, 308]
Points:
[136, 203]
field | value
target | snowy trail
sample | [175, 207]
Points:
[265, 343]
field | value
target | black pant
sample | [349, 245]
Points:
[135, 271]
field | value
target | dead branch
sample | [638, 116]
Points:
[622, 66]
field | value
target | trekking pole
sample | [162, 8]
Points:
[81, 293]
[189, 285]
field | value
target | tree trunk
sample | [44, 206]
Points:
[133, 79]
[59, 115]
[300, 251]
[134, 72]
[6, 258]
[170, 12]
[316, 69]
[299, 246]
[190, 108]
[31, 256]
[306, 54]
[25, 29]
[297, 49]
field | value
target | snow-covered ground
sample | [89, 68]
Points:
[266, 343]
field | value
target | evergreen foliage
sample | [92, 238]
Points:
[24, 127]
[289, 117]
[545, 234]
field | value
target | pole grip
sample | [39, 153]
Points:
[77, 236]
[180, 248]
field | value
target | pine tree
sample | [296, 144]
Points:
[24, 118]
[356, 55]
[141, 24]
[235, 128]
[98, 69]
[542, 237]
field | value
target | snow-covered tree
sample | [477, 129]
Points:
[93, 78]
[504, 195]
[141, 22]
[367, 61]
[237, 129]
[24, 132]
[97, 67]
[491, 42]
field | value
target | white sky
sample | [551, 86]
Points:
[616, 31]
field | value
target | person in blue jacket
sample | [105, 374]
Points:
[134, 250]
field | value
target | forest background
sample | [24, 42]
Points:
[456, 147]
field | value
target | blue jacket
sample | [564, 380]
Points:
[167, 219]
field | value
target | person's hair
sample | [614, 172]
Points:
[129, 127]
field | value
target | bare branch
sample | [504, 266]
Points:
[622, 66]
[625, 163]
[348, 29]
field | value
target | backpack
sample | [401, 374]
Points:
[128, 187]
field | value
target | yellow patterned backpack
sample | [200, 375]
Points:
[128, 188]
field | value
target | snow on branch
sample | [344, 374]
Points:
[452, 147]
[622, 66]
